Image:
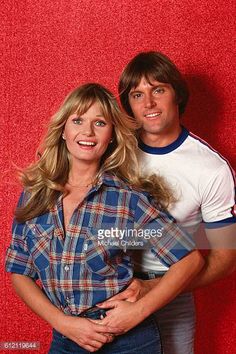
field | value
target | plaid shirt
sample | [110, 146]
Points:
[75, 270]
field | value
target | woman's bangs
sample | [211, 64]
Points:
[83, 104]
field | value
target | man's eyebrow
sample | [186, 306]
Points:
[135, 91]
[161, 84]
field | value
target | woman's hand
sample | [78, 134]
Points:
[88, 335]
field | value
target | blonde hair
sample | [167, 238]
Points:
[47, 176]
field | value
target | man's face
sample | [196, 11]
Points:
[154, 106]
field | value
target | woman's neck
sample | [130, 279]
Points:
[82, 174]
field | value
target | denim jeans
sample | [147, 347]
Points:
[176, 322]
[143, 339]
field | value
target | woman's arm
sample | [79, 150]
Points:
[125, 315]
[88, 335]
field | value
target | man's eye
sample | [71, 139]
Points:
[159, 90]
[136, 95]
[100, 123]
[77, 120]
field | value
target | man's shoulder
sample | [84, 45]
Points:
[202, 152]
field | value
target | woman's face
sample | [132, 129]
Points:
[88, 136]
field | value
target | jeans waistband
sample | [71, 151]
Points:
[149, 275]
[94, 313]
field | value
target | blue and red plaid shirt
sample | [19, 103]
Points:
[75, 270]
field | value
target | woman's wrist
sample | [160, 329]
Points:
[58, 321]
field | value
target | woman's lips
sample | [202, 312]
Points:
[86, 144]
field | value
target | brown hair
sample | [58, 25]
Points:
[152, 66]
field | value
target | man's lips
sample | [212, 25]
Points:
[153, 115]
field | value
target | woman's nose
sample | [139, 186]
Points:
[87, 129]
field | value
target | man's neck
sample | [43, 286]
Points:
[160, 140]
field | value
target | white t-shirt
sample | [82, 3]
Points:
[202, 179]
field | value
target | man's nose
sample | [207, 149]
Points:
[149, 101]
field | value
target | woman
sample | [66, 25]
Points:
[80, 185]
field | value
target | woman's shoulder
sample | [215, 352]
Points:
[113, 180]
[131, 193]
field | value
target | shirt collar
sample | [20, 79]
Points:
[165, 149]
[112, 180]
[107, 178]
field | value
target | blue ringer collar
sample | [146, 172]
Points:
[165, 149]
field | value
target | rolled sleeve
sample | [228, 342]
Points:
[168, 242]
[18, 259]
[173, 243]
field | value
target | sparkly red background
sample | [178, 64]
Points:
[49, 47]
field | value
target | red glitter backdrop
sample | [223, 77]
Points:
[50, 47]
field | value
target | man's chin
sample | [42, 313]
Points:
[152, 130]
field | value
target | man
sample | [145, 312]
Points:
[153, 91]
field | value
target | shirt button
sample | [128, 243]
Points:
[68, 300]
[66, 268]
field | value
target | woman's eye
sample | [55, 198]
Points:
[100, 123]
[77, 120]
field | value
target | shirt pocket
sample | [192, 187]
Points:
[39, 239]
[98, 258]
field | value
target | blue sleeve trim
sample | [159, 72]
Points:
[220, 223]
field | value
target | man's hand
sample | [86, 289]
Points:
[120, 318]
[135, 291]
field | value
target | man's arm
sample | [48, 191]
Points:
[125, 315]
[221, 258]
[220, 262]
